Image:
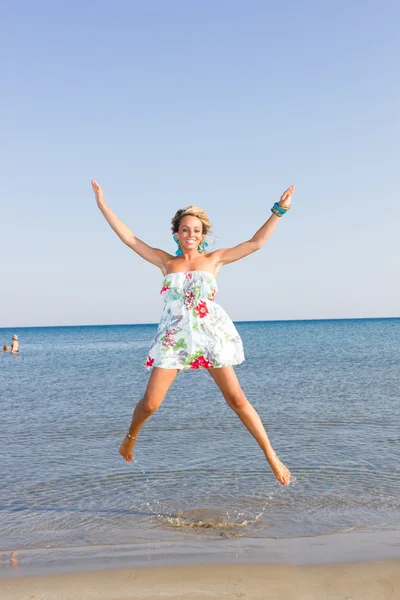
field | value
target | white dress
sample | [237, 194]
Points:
[194, 332]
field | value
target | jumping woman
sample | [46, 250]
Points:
[194, 332]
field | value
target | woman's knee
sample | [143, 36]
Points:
[237, 401]
[149, 404]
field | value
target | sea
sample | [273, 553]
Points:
[327, 392]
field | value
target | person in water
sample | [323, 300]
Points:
[14, 345]
[194, 332]
[5, 348]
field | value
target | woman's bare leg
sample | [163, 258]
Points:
[226, 380]
[159, 383]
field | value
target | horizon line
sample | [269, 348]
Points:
[241, 321]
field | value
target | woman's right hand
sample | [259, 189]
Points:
[98, 192]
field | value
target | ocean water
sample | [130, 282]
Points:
[327, 392]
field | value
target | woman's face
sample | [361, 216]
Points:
[190, 232]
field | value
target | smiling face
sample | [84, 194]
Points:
[190, 232]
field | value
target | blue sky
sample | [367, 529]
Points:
[222, 104]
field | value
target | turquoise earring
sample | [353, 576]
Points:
[179, 251]
[201, 247]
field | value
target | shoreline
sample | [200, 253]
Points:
[377, 580]
[339, 548]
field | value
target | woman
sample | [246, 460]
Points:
[14, 345]
[194, 332]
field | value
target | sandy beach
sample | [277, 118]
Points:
[352, 566]
[351, 581]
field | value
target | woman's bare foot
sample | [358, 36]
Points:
[280, 471]
[126, 448]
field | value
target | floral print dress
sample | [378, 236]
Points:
[194, 332]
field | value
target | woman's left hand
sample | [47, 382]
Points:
[286, 197]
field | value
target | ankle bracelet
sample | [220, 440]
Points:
[131, 436]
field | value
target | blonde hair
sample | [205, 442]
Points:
[191, 211]
[5, 348]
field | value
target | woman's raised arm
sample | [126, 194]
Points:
[228, 255]
[153, 255]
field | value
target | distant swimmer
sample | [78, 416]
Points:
[195, 333]
[14, 345]
[5, 348]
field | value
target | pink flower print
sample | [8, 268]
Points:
[189, 276]
[189, 299]
[164, 289]
[195, 364]
[169, 339]
[212, 295]
[149, 362]
[201, 309]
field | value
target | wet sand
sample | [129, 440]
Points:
[348, 566]
[350, 581]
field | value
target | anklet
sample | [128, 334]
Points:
[131, 436]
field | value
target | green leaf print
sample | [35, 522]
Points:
[180, 344]
[177, 293]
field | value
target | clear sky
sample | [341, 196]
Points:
[219, 103]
